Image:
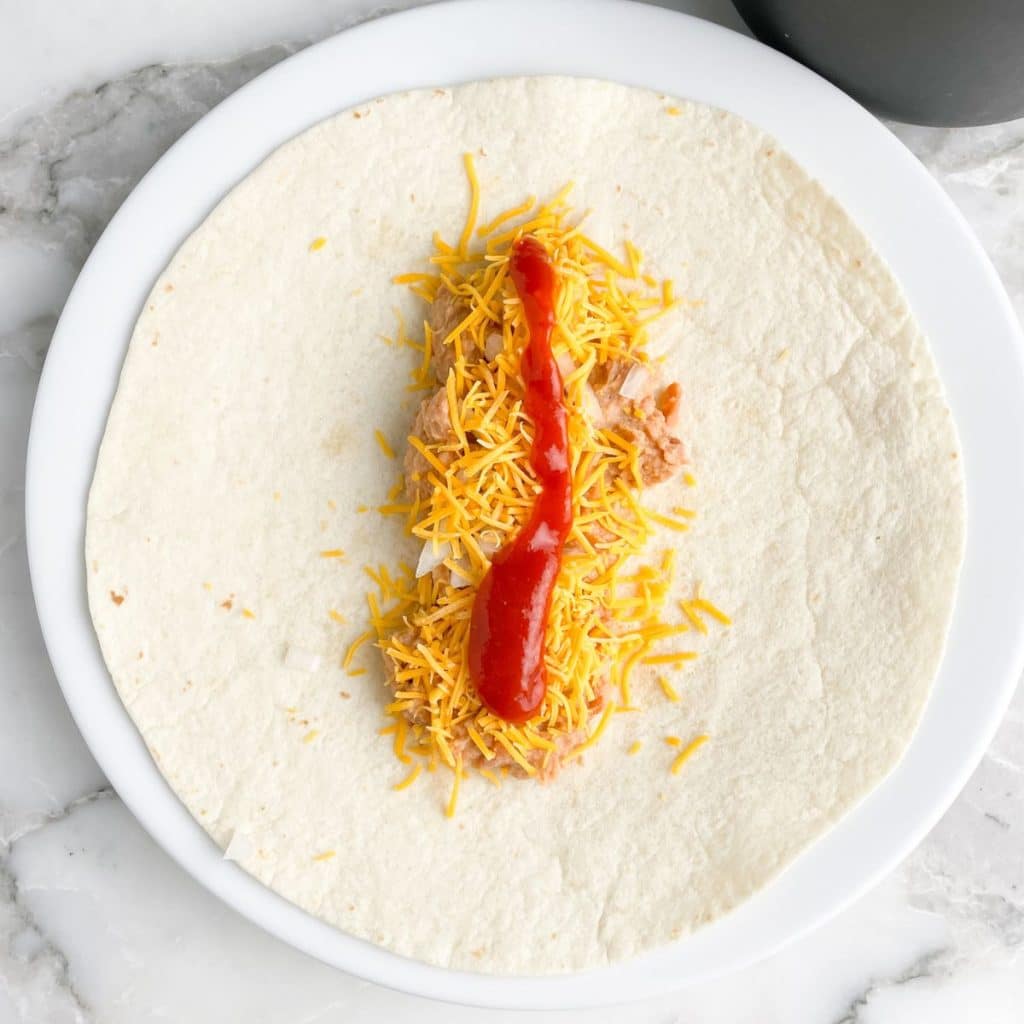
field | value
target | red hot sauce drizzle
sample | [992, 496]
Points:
[510, 612]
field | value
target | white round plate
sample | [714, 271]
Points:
[951, 286]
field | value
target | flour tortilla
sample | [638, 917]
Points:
[240, 445]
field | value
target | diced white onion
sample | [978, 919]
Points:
[544, 538]
[430, 558]
[300, 659]
[592, 407]
[240, 848]
[488, 543]
[493, 344]
[460, 578]
[566, 364]
[656, 353]
[637, 383]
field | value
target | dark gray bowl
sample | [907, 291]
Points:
[937, 62]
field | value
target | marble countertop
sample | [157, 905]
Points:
[96, 923]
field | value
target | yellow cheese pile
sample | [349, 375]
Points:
[607, 614]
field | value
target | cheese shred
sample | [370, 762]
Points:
[474, 490]
[687, 752]
[596, 734]
[668, 689]
[453, 800]
[410, 778]
[354, 647]
[706, 606]
[385, 445]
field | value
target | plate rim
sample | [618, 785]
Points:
[642, 30]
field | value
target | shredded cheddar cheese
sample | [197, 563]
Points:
[474, 205]
[607, 617]
[354, 647]
[687, 752]
[385, 445]
[701, 604]
[672, 658]
[596, 734]
[410, 778]
[690, 611]
[668, 689]
[454, 798]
